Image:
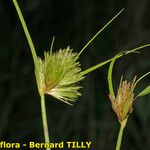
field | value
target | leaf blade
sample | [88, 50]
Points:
[146, 91]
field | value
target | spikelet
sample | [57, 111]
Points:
[59, 75]
[122, 104]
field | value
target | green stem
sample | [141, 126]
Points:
[119, 140]
[29, 39]
[44, 120]
[31, 45]
[109, 60]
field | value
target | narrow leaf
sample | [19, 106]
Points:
[109, 78]
[84, 72]
[142, 78]
[104, 27]
[146, 91]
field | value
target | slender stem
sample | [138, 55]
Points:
[92, 39]
[109, 60]
[29, 39]
[44, 120]
[119, 140]
[31, 45]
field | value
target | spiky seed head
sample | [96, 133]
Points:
[59, 75]
[122, 104]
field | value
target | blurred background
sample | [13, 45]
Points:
[74, 23]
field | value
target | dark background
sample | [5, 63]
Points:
[73, 23]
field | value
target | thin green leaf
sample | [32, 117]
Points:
[142, 78]
[99, 32]
[109, 78]
[146, 91]
[84, 72]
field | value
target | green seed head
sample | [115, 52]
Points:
[59, 74]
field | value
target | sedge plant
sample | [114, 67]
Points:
[59, 73]
[122, 102]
